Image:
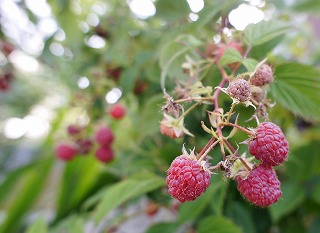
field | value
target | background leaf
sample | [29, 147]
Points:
[256, 34]
[297, 88]
[125, 190]
[217, 224]
[292, 196]
[38, 226]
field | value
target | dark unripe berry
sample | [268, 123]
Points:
[262, 76]
[84, 146]
[65, 151]
[74, 129]
[104, 136]
[104, 154]
[117, 111]
[239, 89]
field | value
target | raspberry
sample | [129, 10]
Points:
[74, 129]
[104, 154]
[187, 179]
[84, 145]
[262, 76]
[117, 111]
[261, 187]
[65, 151]
[104, 136]
[239, 89]
[169, 131]
[269, 144]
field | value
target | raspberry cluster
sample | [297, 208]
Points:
[79, 144]
[189, 175]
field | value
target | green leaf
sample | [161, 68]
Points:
[316, 191]
[304, 162]
[164, 227]
[38, 226]
[125, 190]
[250, 64]
[311, 6]
[292, 197]
[172, 10]
[256, 34]
[216, 191]
[297, 88]
[217, 224]
[230, 55]
[77, 181]
[241, 215]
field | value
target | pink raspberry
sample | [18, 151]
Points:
[74, 129]
[104, 136]
[269, 144]
[261, 187]
[104, 154]
[239, 89]
[263, 76]
[187, 179]
[117, 111]
[65, 151]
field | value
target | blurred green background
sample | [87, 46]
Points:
[66, 62]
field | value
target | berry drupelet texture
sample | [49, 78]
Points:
[263, 76]
[269, 145]
[239, 89]
[261, 187]
[187, 179]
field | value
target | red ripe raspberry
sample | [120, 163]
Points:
[262, 76]
[261, 187]
[269, 144]
[104, 136]
[65, 151]
[239, 89]
[104, 154]
[187, 179]
[117, 111]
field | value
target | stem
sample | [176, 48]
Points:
[230, 112]
[192, 98]
[208, 150]
[211, 141]
[186, 112]
[238, 127]
[228, 144]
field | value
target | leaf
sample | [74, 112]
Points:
[256, 34]
[217, 189]
[250, 64]
[172, 10]
[304, 162]
[241, 216]
[292, 196]
[127, 189]
[230, 55]
[38, 226]
[77, 181]
[297, 88]
[311, 6]
[217, 224]
[316, 191]
[164, 227]
[30, 188]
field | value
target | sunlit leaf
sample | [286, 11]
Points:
[125, 190]
[256, 34]
[297, 88]
[38, 226]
